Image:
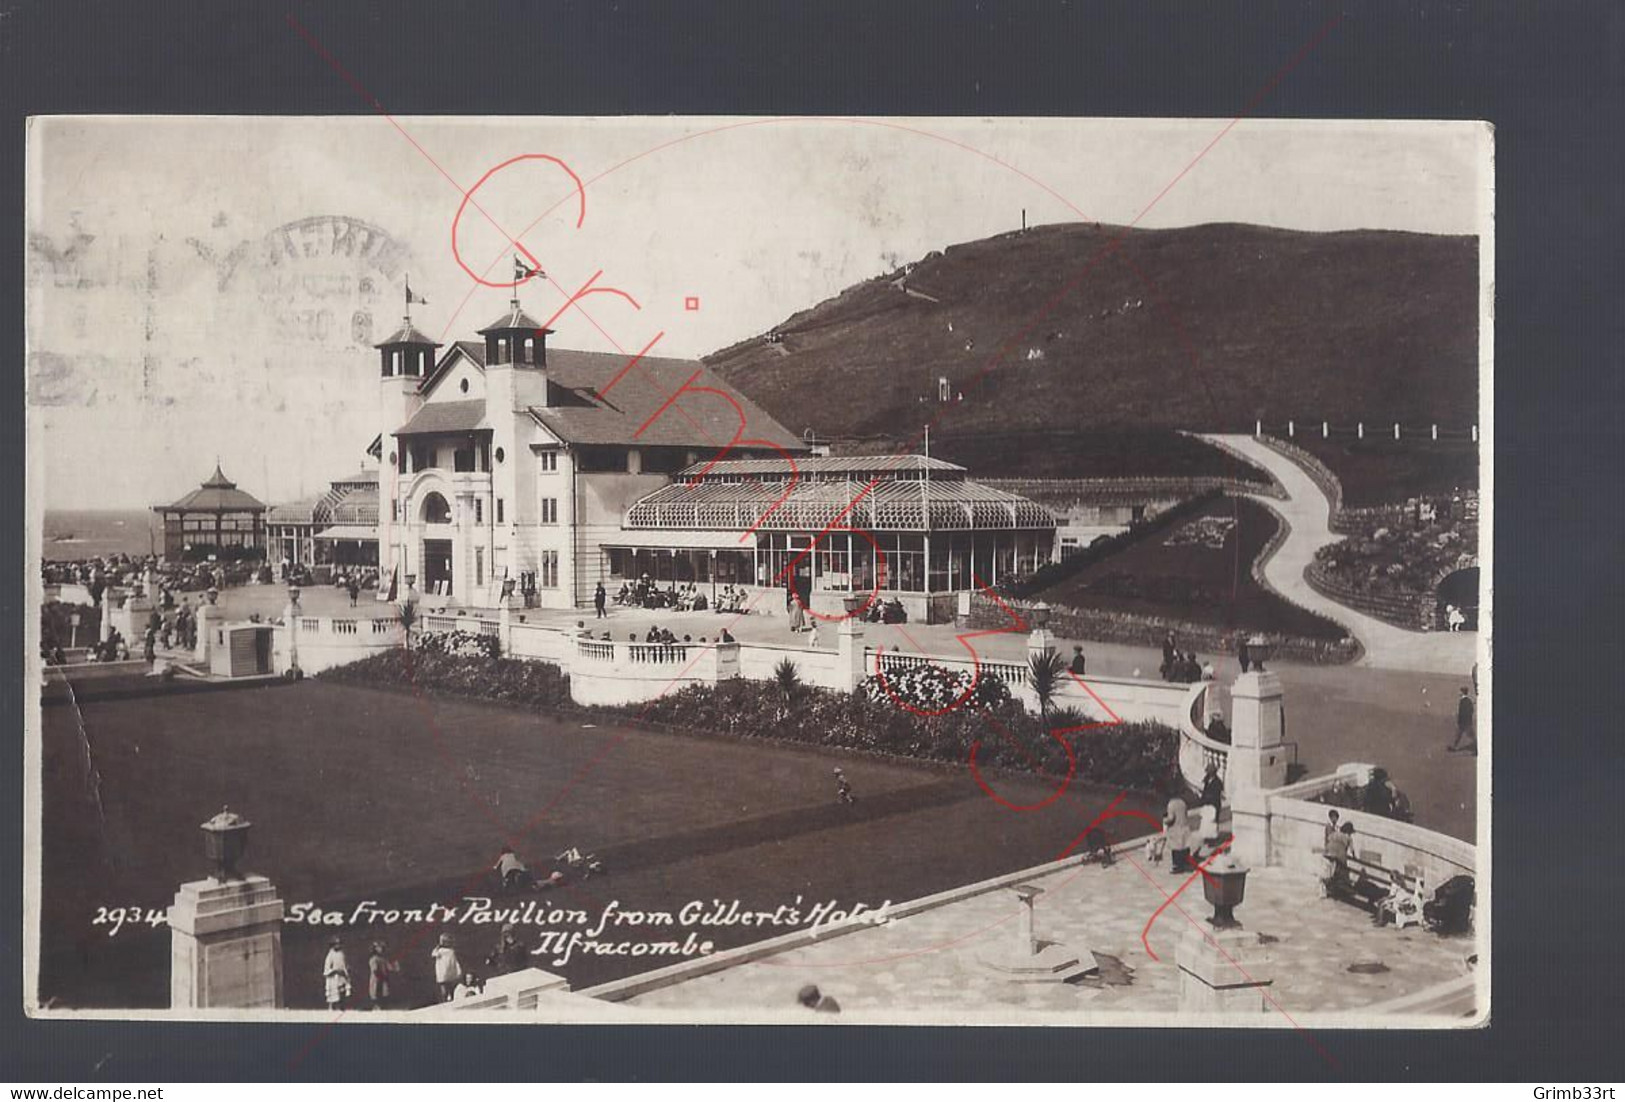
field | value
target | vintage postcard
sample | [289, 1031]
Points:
[842, 570]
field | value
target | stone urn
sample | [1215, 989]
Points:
[1225, 886]
[225, 839]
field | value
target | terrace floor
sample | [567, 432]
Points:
[933, 960]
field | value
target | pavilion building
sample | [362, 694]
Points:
[215, 519]
[506, 465]
[338, 528]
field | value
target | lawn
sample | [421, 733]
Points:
[1198, 571]
[359, 794]
[1383, 471]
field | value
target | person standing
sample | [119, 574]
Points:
[798, 616]
[1079, 664]
[1212, 789]
[336, 974]
[379, 969]
[1242, 653]
[353, 588]
[1465, 715]
[843, 788]
[1338, 847]
[599, 600]
[1176, 826]
[1169, 654]
[447, 969]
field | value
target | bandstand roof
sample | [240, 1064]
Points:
[911, 506]
[218, 495]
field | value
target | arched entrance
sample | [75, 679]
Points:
[437, 552]
[1460, 589]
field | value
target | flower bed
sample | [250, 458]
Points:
[1139, 756]
[533, 685]
[1393, 573]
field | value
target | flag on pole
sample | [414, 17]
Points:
[411, 298]
[523, 271]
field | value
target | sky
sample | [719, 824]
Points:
[204, 289]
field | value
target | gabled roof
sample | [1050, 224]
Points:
[464, 416]
[580, 412]
[218, 494]
[407, 334]
[376, 448]
[474, 350]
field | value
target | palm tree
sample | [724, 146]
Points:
[788, 679]
[407, 613]
[1045, 670]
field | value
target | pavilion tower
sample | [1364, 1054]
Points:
[406, 358]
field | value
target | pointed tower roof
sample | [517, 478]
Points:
[407, 334]
[515, 318]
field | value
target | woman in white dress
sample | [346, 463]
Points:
[336, 974]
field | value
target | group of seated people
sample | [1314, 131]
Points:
[1185, 669]
[731, 599]
[646, 594]
[656, 636]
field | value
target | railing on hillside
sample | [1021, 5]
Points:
[439, 623]
[383, 627]
[1011, 673]
[344, 627]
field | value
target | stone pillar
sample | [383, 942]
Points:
[1257, 757]
[205, 626]
[1222, 972]
[290, 618]
[109, 603]
[226, 945]
[849, 652]
[505, 624]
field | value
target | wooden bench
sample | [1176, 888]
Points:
[1370, 880]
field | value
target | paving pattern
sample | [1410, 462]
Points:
[932, 961]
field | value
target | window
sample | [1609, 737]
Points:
[550, 510]
[499, 510]
[547, 461]
[479, 566]
[463, 460]
[479, 511]
[549, 578]
[395, 507]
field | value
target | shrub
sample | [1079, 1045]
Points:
[1140, 756]
[532, 685]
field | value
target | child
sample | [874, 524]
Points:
[379, 969]
[336, 974]
[469, 988]
[843, 788]
[446, 967]
[1338, 847]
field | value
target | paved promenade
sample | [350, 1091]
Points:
[933, 959]
[1308, 510]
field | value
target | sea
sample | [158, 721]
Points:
[88, 533]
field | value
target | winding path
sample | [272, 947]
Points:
[1308, 511]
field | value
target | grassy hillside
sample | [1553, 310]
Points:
[1237, 323]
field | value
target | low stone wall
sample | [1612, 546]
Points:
[629, 673]
[1414, 613]
[1148, 631]
[322, 642]
[1297, 831]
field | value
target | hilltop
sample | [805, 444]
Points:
[1229, 323]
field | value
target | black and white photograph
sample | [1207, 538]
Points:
[761, 569]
